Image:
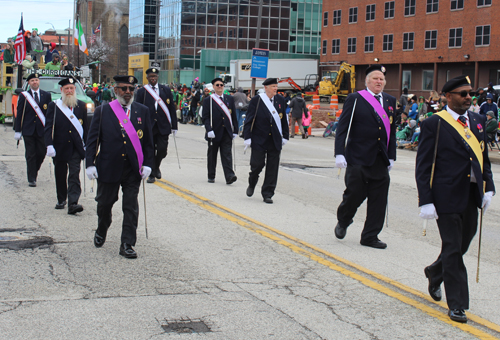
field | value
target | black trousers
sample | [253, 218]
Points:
[35, 154]
[269, 158]
[363, 182]
[225, 145]
[160, 143]
[457, 232]
[107, 195]
[68, 184]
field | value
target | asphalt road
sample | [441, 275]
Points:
[220, 265]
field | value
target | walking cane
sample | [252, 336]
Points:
[145, 214]
[84, 181]
[479, 247]
[234, 156]
[348, 132]
[424, 231]
[177, 152]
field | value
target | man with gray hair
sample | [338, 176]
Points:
[365, 144]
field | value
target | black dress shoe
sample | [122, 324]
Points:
[32, 184]
[211, 180]
[75, 208]
[232, 180]
[457, 315]
[434, 290]
[151, 179]
[268, 200]
[374, 244]
[127, 251]
[340, 232]
[99, 240]
[158, 174]
[61, 205]
[250, 191]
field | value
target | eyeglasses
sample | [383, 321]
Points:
[464, 93]
[125, 88]
[219, 85]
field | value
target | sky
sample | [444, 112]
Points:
[36, 14]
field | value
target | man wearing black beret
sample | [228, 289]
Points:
[30, 122]
[455, 139]
[160, 102]
[266, 131]
[119, 153]
[365, 144]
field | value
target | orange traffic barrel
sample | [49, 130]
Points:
[334, 102]
[316, 101]
[338, 113]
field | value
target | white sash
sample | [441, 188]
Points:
[71, 116]
[272, 110]
[160, 101]
[35, 107]
[223, 107]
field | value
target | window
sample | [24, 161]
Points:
[324, 47]
[351, 45]
[406, 79]
[431, 39]
[432, 6]
[335, 46]
[369, 43]
[409, 7]
[337, 15]
[370, 12]
[389, 10]
[353, 15]
[483, 3]
[455, 39]
[457, 4]
[427, 79]
[387, 44]
[325, 19]
[483, 35]
[408, 41]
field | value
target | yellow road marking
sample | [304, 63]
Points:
[242, 221]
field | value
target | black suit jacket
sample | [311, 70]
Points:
[367, 138]
[454, 161]
[159, 117]
[114, 146]
[220, 122]
[66, 137]
[264, 128]
[31, 124]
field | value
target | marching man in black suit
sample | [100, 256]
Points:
[366, 145]
[454, 179]
[160, 102]
[65, 133]
[30, 122]
[120, 153]
[266, 131]
[221, 125]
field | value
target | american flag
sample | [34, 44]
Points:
[98, 29]
[19, 45]
[92, 38]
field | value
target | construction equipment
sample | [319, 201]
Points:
[333, 81]
[292, 83]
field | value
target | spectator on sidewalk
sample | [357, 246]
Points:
[489, 105]
[491, 126]
[403, 100]
[297, 107]
[413, 113]
[241, 103]
[474, 107]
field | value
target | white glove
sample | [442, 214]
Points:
[390, 165]
[91, 172]
[247, 143]
[211, 134]
[340, 161]
[235, 135]
[428, 212]
[486, 200]
[284, 141]
[174, 132]
[18, 136]
[146, 171]
[51, 152]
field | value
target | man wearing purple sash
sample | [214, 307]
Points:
[120, 153]
[365, 145]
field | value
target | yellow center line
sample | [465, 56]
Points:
[241, 220]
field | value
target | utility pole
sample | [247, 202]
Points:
[257, 40]
[100, 41]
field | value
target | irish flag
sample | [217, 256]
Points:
[80, 37]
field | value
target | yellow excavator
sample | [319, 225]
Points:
[333, 81]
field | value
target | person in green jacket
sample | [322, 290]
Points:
[55, 65]
[106, 95]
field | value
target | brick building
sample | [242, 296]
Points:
[422, 43]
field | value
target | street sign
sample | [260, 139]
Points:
[260, 59]
[85, 71]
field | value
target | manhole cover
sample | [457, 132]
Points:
[186, 326]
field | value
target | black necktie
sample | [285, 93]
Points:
[36, 98]
[463, 120]
[377, 96]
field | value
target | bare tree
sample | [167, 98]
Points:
[100, 51]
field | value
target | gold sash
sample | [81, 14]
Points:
[471, 140]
